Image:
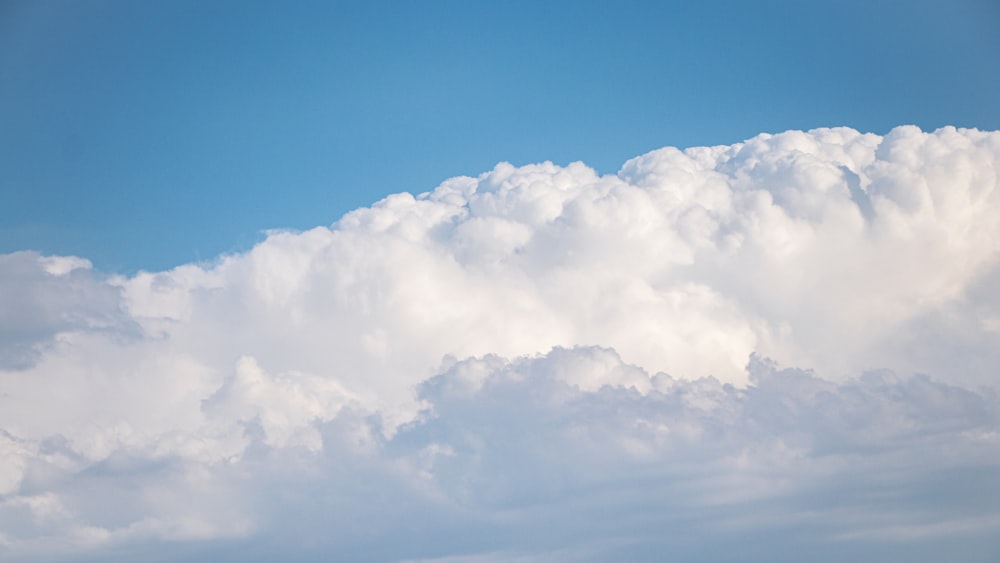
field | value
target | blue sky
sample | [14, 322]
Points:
[143, 135]
[779, 348]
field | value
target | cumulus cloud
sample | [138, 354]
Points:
[42, 297]
[540, 363]
[572, 455]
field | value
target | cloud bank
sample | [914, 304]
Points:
[540, 363]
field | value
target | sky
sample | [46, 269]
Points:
[462, 282]
[145, 135]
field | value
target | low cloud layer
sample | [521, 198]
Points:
[540, 364]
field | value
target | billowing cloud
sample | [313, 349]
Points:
[43, 296]
[573, 455]
[540, 363]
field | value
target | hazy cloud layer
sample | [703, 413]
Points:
[532, 458]
[541, 364]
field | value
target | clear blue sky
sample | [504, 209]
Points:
[146, 134]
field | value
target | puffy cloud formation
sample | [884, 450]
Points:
[574, 455]
[540, 363]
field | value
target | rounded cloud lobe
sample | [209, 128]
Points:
[538, 348]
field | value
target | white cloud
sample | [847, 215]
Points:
[42, 297]
[505, 449]
[539, 348]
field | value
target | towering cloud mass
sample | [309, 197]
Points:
[540, 363]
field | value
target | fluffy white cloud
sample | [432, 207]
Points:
[538, 363]
[43, 296]
[532, 457]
